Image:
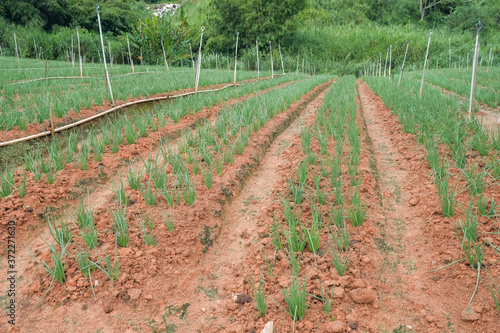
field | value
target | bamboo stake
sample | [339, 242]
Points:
[271, 54]
[198, 66]
[51, 121]
[467, 61]
[110, 54]
[474, 70]
[79, 53]
[380, 65]
[130, 56]
[235, 58]
[390, 60]
[46, 69]
[297, 71]
[164, 56]
[17, 52]
[425, 63]
[72, 52]
[302, 65]
[449, 52]
[104, 56]
[36, 53]
[489, 61]
[258, 67]
[403, 67]
[282, 66]
[192, 59]
[386, 58]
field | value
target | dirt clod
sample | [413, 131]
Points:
[469, 314]
[363, 296]
[335, 327]
[107, 308]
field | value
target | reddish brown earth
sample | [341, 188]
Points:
[167, 263]
[73, 116]
[388, 286]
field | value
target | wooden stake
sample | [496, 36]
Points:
[474, 70]
[235, 58]
[425, 64]
[258, 66]
[467, 61]
[271, 54]
[17, 52]
[46, 70]
[403, 67]
[104, 57]
[449, 52]
[386, 58]
[198, 66]
[51, 121]
[282, 66]
[297, 71]
[142, 64]
[192, 59]
[72, 52]
[302, 65]
[390, 60]
[36, 53]
[110, 54]
[489, 61]
[79, 53]
[164, 56]
[130, 56]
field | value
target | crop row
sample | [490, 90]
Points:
[463, 159]
[28, 104]
[321, 199]
[167, 178]
[107, 137]
[484, 94]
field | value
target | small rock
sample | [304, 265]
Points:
[268, 328]
[126, 297]
[232, 306]
[108, 307]
[242, 298]
[28, 209]
[364, 296]
[308, 326]
[429, 318]
[148, 297]
[358, 284]
[353, 325]
[335, 327]
[414, 201]
[134, 293]
[338, 292]
[469, 314]
[84, 307]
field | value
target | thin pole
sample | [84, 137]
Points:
[36, 53]
[110, 54]
[104, 56]
[390, 60]
[272, 67]
[216, 62]
[79, 53]
[72, 52]
[302, 65]
[425, 63]
[489, 61]
[164, 56]
[198, 66]
[17, 52]
[235, 58]
[403, 67]
[386, 57]
[449, 52]
[474, 70]
[467, 61]
[258, 67]
[282, 66]
[297, 72]
[192, 59]
[130, 56]
[142, 64]
[1, 52]
[380, 65]
[46, 70]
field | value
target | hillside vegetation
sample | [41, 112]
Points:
[333, 36]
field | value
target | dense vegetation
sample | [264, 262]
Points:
[334, 35]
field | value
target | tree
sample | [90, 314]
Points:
[427, 4]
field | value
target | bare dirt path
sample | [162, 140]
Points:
[410, 297]
[223, 271]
